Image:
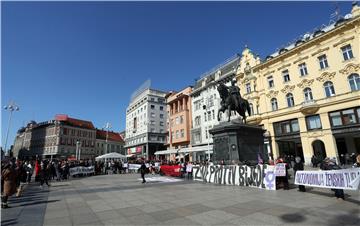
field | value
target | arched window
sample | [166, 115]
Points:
[290, 100]
[354, 81]
[251, 109]
[274, 105]
[308, 94]
[329, 89]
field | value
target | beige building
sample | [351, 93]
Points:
[307, 95]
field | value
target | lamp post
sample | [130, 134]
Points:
[78, 150]
[107, 127]
[206, 108]
[10, 107]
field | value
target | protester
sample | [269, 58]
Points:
[357, 163]
[8, 179]
[283, 180]
[43, 174]
[29, 172]
[329, 164]
[314, 161]
[143, 171]
[189, 170]
[299, 166]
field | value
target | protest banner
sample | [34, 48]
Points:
[81, 170]
[280, 169]
[260, 176]
[348, 179]
[174, 171]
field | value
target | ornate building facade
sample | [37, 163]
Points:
[307, 95]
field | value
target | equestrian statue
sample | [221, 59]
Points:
[231, 100]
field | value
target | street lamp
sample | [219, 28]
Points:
[206, 108]
[107, 127]
[10, 107]
[78, 150]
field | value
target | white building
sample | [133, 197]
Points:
[205, 105]
[146, 118]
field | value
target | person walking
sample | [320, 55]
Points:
[8, 178]
[299, 166]
[143, 171]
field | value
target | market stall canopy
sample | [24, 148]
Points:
[197, 149]
[167, 152]
[112, 155]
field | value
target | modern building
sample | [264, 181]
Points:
[108, 142]
[178, 124]
[58, 138]
[146, 118]
[205, 101]
[307, 94]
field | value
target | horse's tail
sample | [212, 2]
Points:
[248, 107]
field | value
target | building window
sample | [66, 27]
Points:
[354, 81]
[161, 108]
[197, 120]
[286, 127]
[290, 100]
[313, 122]
[213, 114]
[152, 114]
[177, 120]
[177, 134]
[152, 106]
[274, 105]
[161, 115]
[197, 137]
[152, 130]
[209, 116]
[270, 80]
[347, 52]
[152, 99]
[345, 117]
[303, 69]
[329, 89]
[248, 88]
[161, 123]
[308, 95]
[181, 119]
[205, 116]
[152, 122]
[197, 105]
[251, 109]
[182, 133]
[286, 75]
[323, 61]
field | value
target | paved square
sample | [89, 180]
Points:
[123, 200]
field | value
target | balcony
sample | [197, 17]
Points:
[309, 107]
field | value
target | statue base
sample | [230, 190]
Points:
[236, 142]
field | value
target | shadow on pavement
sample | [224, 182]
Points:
[39, 202]
[331, 195]
[293, 217]
[351, 218]
[9, 222]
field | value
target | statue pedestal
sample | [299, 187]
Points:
[237, 141]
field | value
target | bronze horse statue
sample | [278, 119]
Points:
[228, 103]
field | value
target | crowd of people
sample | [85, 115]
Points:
[16, 173]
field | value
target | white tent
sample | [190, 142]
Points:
[112, 155]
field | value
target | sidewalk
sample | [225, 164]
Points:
[29, 209]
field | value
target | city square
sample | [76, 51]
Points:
[123, 200]
[180, 113]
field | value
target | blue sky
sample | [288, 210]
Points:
[85, 59]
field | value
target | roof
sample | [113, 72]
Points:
[74, 122]
[112, 136]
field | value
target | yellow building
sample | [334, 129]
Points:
[307, 95]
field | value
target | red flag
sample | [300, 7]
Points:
[37, 168]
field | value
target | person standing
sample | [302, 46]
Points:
[143, 171]
[299, 166]
[329, 164]
[43, 175]
[8, 177]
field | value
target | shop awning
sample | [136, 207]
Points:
[197, 149]
[167, 152]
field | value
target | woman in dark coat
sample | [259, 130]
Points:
[8, 175]
[299, 166]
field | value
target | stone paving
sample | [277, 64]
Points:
[123, 200]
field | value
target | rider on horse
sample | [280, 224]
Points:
[235, 93]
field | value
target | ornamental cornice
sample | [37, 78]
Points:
[284, 66]
[288, 89]
[320, 51]
[305, 83]
[326, 76]
[300, 59]
[343, 40]
[268, 73]
[350, 68]
[272, 94]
